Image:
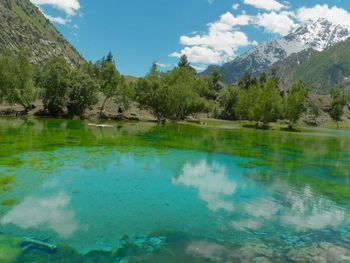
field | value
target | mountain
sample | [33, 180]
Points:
[23, 25]
[316, 35]
[320, 70]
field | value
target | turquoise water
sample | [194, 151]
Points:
[139, 193]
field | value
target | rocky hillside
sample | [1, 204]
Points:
[314, 36]
[23, 25]
[320, 70]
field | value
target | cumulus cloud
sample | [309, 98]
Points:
[226, 36]
[56, 19]
[220, 44]
[235, 6]
[161, 65]
[333, 14]
[269, 5]
[70, 7]
[276, 23]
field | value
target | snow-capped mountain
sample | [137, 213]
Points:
[313, 35]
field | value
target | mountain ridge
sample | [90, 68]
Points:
[316, 35]
[22, 25]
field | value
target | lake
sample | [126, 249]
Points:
[139, 192]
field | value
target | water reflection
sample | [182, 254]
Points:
[51, 213]
[211, 181]
[309, 212]
[208, 250]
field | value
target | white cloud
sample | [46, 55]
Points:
[56, 19]
[269, 5]
[161, 65]
[70, 7]
[224, 37]
[220, 44]
[333, 14]
[211, 182]
[235, 6]
[276, 23]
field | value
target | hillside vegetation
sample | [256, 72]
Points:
[320, 70]
[22, 25]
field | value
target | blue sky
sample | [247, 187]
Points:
[207, 31]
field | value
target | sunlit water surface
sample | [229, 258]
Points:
[180, 193]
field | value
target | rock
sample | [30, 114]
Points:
[319, 253]
[256, 248]
[261, 260]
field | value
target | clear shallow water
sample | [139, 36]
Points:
[143, 193]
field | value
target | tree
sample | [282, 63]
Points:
[262, 78]
[16, 74]
[112, 82]
[267, 104]
[182, 96]
[184, 63]
[339, 100]
[82, 93]
[294, 104]
[246, 81]
[173, 95]
[150, 94]
[217, 80]
[228, 100]
[55, 84]
[314, 109]
[260, 103]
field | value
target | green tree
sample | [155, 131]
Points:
[55, 84]
[267, 105]
[150, 93]
[16, 79]
[294, 103]
[228, 100]
[246, 81]
[182, 96]
[173, 95]
[112, 83]
[314, 109]
[260, 103]
[262, 78]
[184, 63]
[339, 100]
[217, 80]
[82, 93]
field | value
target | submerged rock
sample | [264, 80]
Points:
[319, 253]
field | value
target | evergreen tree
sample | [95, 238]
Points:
[184, 63]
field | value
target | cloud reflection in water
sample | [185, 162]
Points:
[51, 213]
[211, 182]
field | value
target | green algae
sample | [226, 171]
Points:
[5, 182]
[280, 153]
[8, 202]
[9, 248]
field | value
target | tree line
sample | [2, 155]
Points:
[173, 95]
[63, 89]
